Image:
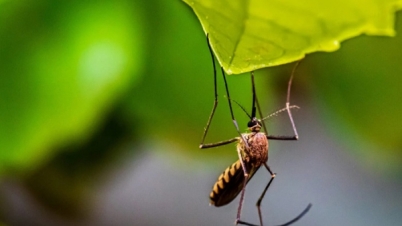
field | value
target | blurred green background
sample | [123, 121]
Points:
[103, 105]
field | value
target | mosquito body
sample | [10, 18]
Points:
[252, 149]
[231, 181]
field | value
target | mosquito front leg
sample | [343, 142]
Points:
[273, 137]
[220, 143]
[210, 145]
[231, 110]
[216, 97]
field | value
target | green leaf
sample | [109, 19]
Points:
[253, 34]
[62, 66]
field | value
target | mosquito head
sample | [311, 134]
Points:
[254, 125]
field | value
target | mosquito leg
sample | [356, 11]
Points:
[288, 101]
[220, 143]
[273, 137]
[202, 145]
[245, 223]
[246, 176]
[209, 120]
[231, 110]
[296, 135]
[238, 221]
[257, 103]
[216, 96]
[258, 204]
[299, 216]
[243, 191]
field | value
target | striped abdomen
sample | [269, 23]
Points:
[230, 183]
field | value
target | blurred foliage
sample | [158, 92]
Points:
[81, 81]
[63, 63]
[249, 35]
[365, 96]
[78, 165]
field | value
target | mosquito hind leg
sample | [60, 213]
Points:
[243, 191]
[262, 197]
[238, 221]
[298, 217]
[258, 204]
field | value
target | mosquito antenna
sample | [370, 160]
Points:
[276, 113]
[244, 110]
[288, 100]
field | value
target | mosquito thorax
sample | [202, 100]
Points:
[254, 125]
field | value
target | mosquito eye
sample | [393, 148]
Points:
[251, 124]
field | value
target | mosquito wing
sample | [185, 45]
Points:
[230, 183]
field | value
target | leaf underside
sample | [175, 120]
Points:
[253, 34]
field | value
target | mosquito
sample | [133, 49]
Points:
[252, 150]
